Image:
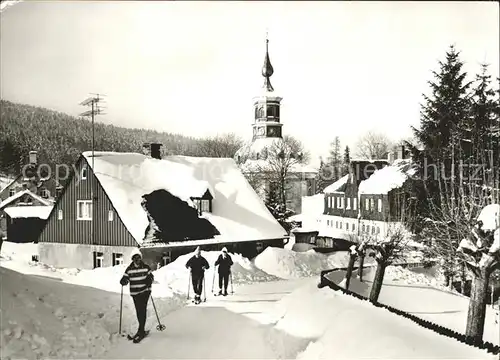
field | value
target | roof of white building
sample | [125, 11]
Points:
[22, 193]
[28, 211]
[337, 186]
[237, 212]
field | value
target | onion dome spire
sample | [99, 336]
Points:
[267, 69]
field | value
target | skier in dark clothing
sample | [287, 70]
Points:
[225, 262]
[197, 264]
[140, 277]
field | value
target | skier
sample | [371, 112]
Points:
[225, 262]
[140, 277]
[197, 264]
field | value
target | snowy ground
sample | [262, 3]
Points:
[286, 319]
[46, 315]
[418, 293]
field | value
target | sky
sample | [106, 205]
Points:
[342, 68]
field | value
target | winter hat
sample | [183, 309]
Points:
[136, 251]
[198, 250]
[224, 249]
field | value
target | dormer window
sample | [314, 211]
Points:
[12, 192]
[84, 173]
[203, 203]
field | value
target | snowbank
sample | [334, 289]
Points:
[288, 264]
[342, 327]
[44, 318]
[176, 276]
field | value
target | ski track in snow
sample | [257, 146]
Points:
[238, 326]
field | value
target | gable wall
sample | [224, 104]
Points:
[72, 231]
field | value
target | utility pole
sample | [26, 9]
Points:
[95, 109]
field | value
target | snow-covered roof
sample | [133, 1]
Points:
[337, 185]
[313, 205]
[388, 178]
[28, 211]
[490, 216]
[22, 193]
[237, 211]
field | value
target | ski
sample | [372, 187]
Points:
[137, 339]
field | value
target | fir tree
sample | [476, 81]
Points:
[335, 158]
[347, 161]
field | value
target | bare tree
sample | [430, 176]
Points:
[220, 146]
[277, 165]
[373, 145]
[387, 250]
[482, 256]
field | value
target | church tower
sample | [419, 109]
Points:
[267, 105]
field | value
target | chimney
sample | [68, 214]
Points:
[391, 157]
[32, 157]
[156, 150]
[146, 149]
[401, 152]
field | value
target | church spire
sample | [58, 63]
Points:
[267, 69]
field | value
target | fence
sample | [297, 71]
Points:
[485, 345]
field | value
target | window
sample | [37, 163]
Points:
[373, 230]
[59, 214]
[341, 224]
[45, 193]
[379, 203]
[98, 259]
[336, 224]
[329, 202]
[117, 259]
[12, 192]
[205, 205]
[84, 210]
[368, 229]
[327, 222]
[110, 215]
[378, 229]
[363, 228]
[84, 173]
[353, 226]
[367, 204]
[341, 203]
[347, 226]
[348, 203]
[354, 203]
[166, 258]
[372, 204]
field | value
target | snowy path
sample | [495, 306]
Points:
[235, 327]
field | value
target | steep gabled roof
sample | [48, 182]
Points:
[337, 186]
[388, 178]
[22, 193]
[237, 211]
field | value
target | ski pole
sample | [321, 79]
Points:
[189, 284]
[231, 277]
[204, 292]
[121, 306]
[160, 326]
[213, 280]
